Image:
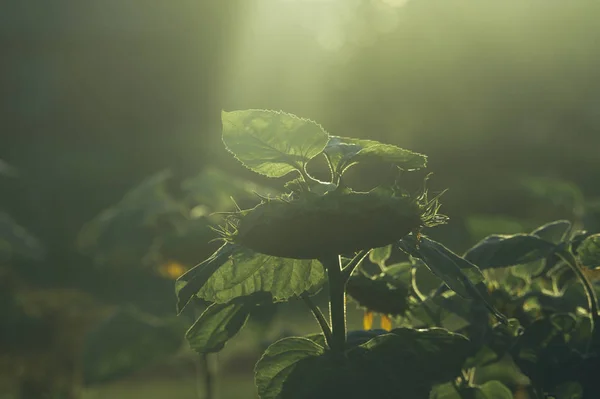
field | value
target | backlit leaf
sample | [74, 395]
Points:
[216, 325]
[589, 251]
[380, 255]
[554, 232]
[508, 250]
[247, 273]
[344, 152]
[191, 282]
[279, 361]
[460, 275]
[272, 143]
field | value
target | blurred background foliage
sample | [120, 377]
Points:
[111, 160]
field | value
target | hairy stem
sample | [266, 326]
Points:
[320, 319]
[337, 304]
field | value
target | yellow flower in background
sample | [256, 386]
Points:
[368, 320]
[385, 322]
[171, 270]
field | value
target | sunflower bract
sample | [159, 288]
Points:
[322, 226]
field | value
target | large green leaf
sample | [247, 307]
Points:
[191, 282]
[589, 251]
[272, 143]
[343, 152]
[378, 364]
[554, 232]
[246, 273]
[431, 355]
[508, 250]
[216, 325]
[460, 275]
[279, 361]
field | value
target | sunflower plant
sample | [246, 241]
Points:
[318, 233]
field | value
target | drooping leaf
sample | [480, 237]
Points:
[343, 152]
[191, 282]
[554, 232]
[279, 361]
[460, 275]
[388, 153]
[216, 325]
[272, 143]
[508, 250]
[589, 251]
[246, 273]
[448, 310]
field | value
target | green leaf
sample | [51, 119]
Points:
[589, 251]
[489, 390]
[508, 250]
[383, 364]
[460, 275]
[554, 232]
[246, 273]
[188, 284]
[217, 324]
[429, 356]
[272, 143]
[380, 255]
[343, 152]
[444, 391]
[279, 361]
[495, 390]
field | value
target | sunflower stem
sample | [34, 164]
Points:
[337, 304]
